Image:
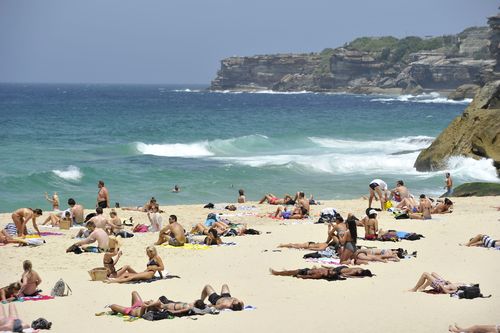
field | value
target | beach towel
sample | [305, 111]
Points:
[50, 233]
[156, 278]
[34, 298]
[324, 261]
[188, 246]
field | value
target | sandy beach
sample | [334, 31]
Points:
[283, 304]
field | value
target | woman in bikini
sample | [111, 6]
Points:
[348, 242]
[54, 201]
[30, 280]
[11, 323]
[9, 293]
[155, 264]
[327, 273]
[108, 261]
[22, 216]
[436, 282]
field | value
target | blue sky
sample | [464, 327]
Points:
[183, 41]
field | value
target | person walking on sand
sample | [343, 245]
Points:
[102, 195]
[448, 185]
[378, 190]
[54, 201]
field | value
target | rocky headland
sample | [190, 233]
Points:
[371, 65]
[476, 133]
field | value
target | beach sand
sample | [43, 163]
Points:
[377, 304]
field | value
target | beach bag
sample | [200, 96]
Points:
[413, 236]
[60, 289]
[470, 292]
[402, 216]
[209, 205]
[41, 324]
[388, 205]
[157, 315]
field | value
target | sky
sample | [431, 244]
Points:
[183, 41]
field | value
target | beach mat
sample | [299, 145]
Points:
[324, 261]
[34, 298]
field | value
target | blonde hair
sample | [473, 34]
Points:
[152, 249]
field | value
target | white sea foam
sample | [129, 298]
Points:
[71, 173]
[423, 98]
[469, 169]
[187, 90]
[197, 149]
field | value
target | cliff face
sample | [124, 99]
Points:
[476, 133]
[368, 65]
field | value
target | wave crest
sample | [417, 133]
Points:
[71, 173]
[198, 149]
[433, 97]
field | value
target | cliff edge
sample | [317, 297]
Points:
[476, 133]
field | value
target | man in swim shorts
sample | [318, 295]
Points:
[173, 234]
[102, 195]
[378, 189]
[222, 301]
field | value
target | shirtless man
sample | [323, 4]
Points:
[222, 301]
[443, 207]
[302, 202]
[22, 216]
[371, 225]
[114, 225]
[173, 233]
[448, 185]
[424, 209]
[102, 195]
[377, 190]
[54, 201]
[96, 234]
[99, 220]
[76, 211]
[402, 195]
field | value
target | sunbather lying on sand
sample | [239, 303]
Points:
[482, 240]
[313, 246]
[436, 282]
[274, 200]
[155, 264]
[475, 329]
[296, 213]
[5, 238]
[11, 323]
[443, 207]
[363, 256]
[222, 301]
[145, 208]
[10, 292]
[330, 274]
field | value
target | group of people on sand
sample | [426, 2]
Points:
[27, 286]
[301, 205]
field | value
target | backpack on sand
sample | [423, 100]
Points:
[60, 289]
[470, 292]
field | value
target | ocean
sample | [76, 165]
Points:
[143, 139]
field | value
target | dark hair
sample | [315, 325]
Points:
[339, 217]
[447, 174]
[101, 182]
[237, 306]
[351, 225]
[367, 211]
[98, 210]
[448, 202]
[173, 217]
[90, 224]
[372, 216]
[213, 232]
[112, 213]
[400, 182]
[13, 286]
[71, 202]
[422, 196]
[303, 211]
[27, 265]
[67, 213]
[241, 192]
[365, 272]
[37, 211]
[301, 194]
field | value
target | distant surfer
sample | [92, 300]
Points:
[176, 189]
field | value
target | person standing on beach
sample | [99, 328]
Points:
[102, 195]
[377, 188]
[22, 216]
[54, 201]
[448, 185]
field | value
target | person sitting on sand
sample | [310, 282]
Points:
[10, 292]
[302, 202]
[371, 225]
[377, 190]
[297, 213]
[424, 209]
[155, 219]
[96, 234]
[330, 274]
[155, 264]
[348, 242]
[475, 329]
[146, 208]
[113, 251]
[22, 216]
[274, 200]
[54, 201]
[76, 211]
[99, 219]
[212, 237]
[30, 280]
[11, 323]
[173, 233]
[56, 218]
[401, 194]
[114, 225]
[443, 207]
[436, 282]
[482, 240]
[241, 196]
[222, 301]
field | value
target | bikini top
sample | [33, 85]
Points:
[152, 262]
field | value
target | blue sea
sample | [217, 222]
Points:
[143, 139]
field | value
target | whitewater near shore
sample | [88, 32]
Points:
[283, 304]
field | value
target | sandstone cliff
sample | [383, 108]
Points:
[476, 133]
[380, 64]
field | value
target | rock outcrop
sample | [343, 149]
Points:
[476, 133]
[408, 65]
[477, 190]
